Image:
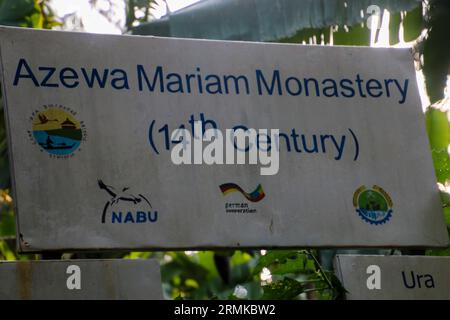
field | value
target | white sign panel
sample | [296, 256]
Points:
[394, 277]
[80, 280]
[97, 164]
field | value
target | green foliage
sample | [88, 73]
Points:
[17, 12]
[441, 163]
[358, 35]
[438, 252]
[196, 276]
[413, 24]
[5, 251]
[279, 274]
[447, 215]
[133, 6]
[7, 225]
[438, 128]
[277, 258]
[298, 264]
[27, 13]
[283, 290]
[436, 49]
[395, 21]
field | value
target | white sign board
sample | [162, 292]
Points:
[394, 277]
[91, 117]
[80, 280]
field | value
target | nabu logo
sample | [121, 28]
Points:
[126, 207]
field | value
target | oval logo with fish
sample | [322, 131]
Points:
[57, 131]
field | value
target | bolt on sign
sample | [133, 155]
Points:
[80, 280]
[97, 162]
[394, 277]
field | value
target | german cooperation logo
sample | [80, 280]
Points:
[241, 207]
[57, 131]
[373, 205]
[125, 206]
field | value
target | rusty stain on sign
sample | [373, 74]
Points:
[24, 280]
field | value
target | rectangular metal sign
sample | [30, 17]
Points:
[80, 279]
[394, 277]
[96, 163]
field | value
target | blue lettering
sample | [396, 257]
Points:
[122, 79]
[134, 217]
[69, 74]
[214, 87]
[95, 77]
[116, 217]
[28, 75]
[275, 82]
[129, 217]
[50, 72]
[376, 86]
[286, 139]
[346, 85]
[332, 86]
[141, 217]
[157, 77]
[236, 83]
[403, 90]
[175, 85]
[153, 218]
[316, 85]
[298, 86]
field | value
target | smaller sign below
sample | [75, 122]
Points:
[394, 277]
[80, 280]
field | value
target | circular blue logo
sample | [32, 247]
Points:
[373, 205]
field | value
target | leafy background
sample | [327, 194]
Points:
[261, 274]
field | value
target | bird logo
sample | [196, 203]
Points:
[43, 119]
[118, 196]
